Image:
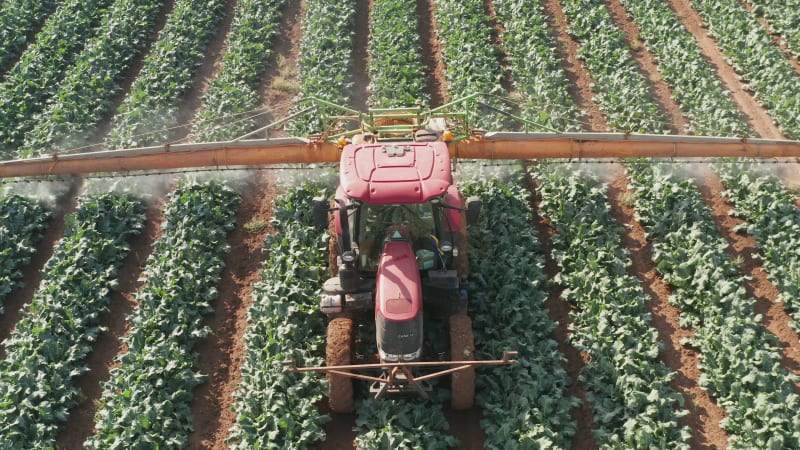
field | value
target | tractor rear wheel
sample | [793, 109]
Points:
[339, 352]
[462, 348]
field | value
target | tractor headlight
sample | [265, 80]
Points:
[389, 357]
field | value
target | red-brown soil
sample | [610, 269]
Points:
[193, 99]
[357, 70]
[704, 414]
[648, 66]
[580, 82]
[222, 352]
[431, 51]
[498, 30]
[743, 247]
[751, 109]
[80, 424]
[559, 312]
[32, 273]
[281, 75]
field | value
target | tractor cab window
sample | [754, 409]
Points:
[376, 220]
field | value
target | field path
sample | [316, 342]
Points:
[222, 351]
[431, 52]
[755, 114]
[744, 247]
[32, 272]
[559, 313]
[80, 423]
[507, 81]
[580, 82]
[704, 414]
[358, 73]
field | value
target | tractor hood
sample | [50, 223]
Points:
[398, 291]
[395, 172]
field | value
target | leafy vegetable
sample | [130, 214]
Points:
[627, 385]
[524, 405]
[402, 424]
[85, 95]
[17, 19]
[151, 108]
[273, 409]
[22, 222]
[47, 349]
[146, 402]
[740, 360]
[235, 93]
[783, 17]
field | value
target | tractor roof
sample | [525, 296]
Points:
[395, 172]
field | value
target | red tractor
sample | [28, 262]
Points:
[398, 246]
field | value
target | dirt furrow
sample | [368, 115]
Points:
[80, 424]
[431, 51]
[357, 69]
[222, 352]
[32, 273]
[648, 66]
[704, 414]
[776, 37]
[559, 313]
[580, 82]
[208, 70]
[280, 84]
[498, 30]
[743, 248]
[755, 114]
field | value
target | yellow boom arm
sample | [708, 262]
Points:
[493, 146]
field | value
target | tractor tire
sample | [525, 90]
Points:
[462, 348]
[338, 352]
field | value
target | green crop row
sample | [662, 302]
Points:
[146, 402]
[17, 19]
[626, 383]
[35, 78]
[783, 16]
[524, 405]
[326, 55]
[235, 93]
[740, 360]
[621, 90]
[695, 86]
[403, 424]
[774, 220]
[468, 54]
[397, 76]
[751, 51]
[152, 106]
[85, 94]
[22, 223]
[277, 410]
[47, 349]
[536, 67]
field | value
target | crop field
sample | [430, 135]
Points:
[653, 303]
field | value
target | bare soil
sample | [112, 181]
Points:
[281, 77]
[498, 30]
[704, 414]
[357, 70]
[222, 353]
[80, 424]
[755, 114]
[462, 345]
[559, 312]
[580, 81]
[193, 99]
[431, 51]
[648, 66]
[744, 247]
[19, 299]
